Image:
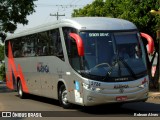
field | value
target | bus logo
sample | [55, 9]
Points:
[120, 86]
[42, 68]
[121, 90]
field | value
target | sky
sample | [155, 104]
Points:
[46, 7]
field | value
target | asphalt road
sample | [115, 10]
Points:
[9, 101]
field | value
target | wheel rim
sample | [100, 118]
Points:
[19, 89]
[64, 97]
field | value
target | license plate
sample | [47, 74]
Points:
[121, 98]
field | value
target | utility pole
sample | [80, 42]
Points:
[57, 15]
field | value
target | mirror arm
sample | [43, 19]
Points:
[79, 43]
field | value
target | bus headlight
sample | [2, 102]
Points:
[91, 88]
[86, 86]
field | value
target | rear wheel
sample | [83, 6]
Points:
[20, 90]
[63, 97]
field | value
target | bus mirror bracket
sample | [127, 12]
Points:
[150, 42]
[79, 43]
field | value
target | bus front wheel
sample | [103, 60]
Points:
[62, 94]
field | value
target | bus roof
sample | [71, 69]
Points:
[101, 23]
[81, 23]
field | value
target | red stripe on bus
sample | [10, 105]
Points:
[12, 70]
[9, 81]
[11, 67]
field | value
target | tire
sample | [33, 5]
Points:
[62, 95]
[144, 100]
[21, 94]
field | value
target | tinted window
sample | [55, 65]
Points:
[56, 44]
[45, 43]
[17, 47]
[28, 46]
[71, 47]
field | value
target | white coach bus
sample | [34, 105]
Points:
[86, 61]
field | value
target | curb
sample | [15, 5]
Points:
[154, 95]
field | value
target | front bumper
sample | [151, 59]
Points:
[92, 98]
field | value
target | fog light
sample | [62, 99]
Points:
[141, 86]
[90, 98]
[98, 89]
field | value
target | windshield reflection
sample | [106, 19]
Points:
[112, 55]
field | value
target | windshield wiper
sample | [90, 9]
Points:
[125, 64]
[110, 71]
[111, 67]
[128, 67]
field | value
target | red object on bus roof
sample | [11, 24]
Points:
[150, 42]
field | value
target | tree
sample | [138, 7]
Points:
[136, 11]
[13, 12]
[2, 72]
[1, 52]
[2, 66]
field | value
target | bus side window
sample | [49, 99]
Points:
[68, 40]
[16, 47]
[57, 44]
[43, 40]
[71, 48]
[27, 44]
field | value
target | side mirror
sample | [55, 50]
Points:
[79, 43]
[150, 42]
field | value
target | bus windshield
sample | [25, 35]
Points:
[112, 56]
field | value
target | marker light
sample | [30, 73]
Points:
[143, 83]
